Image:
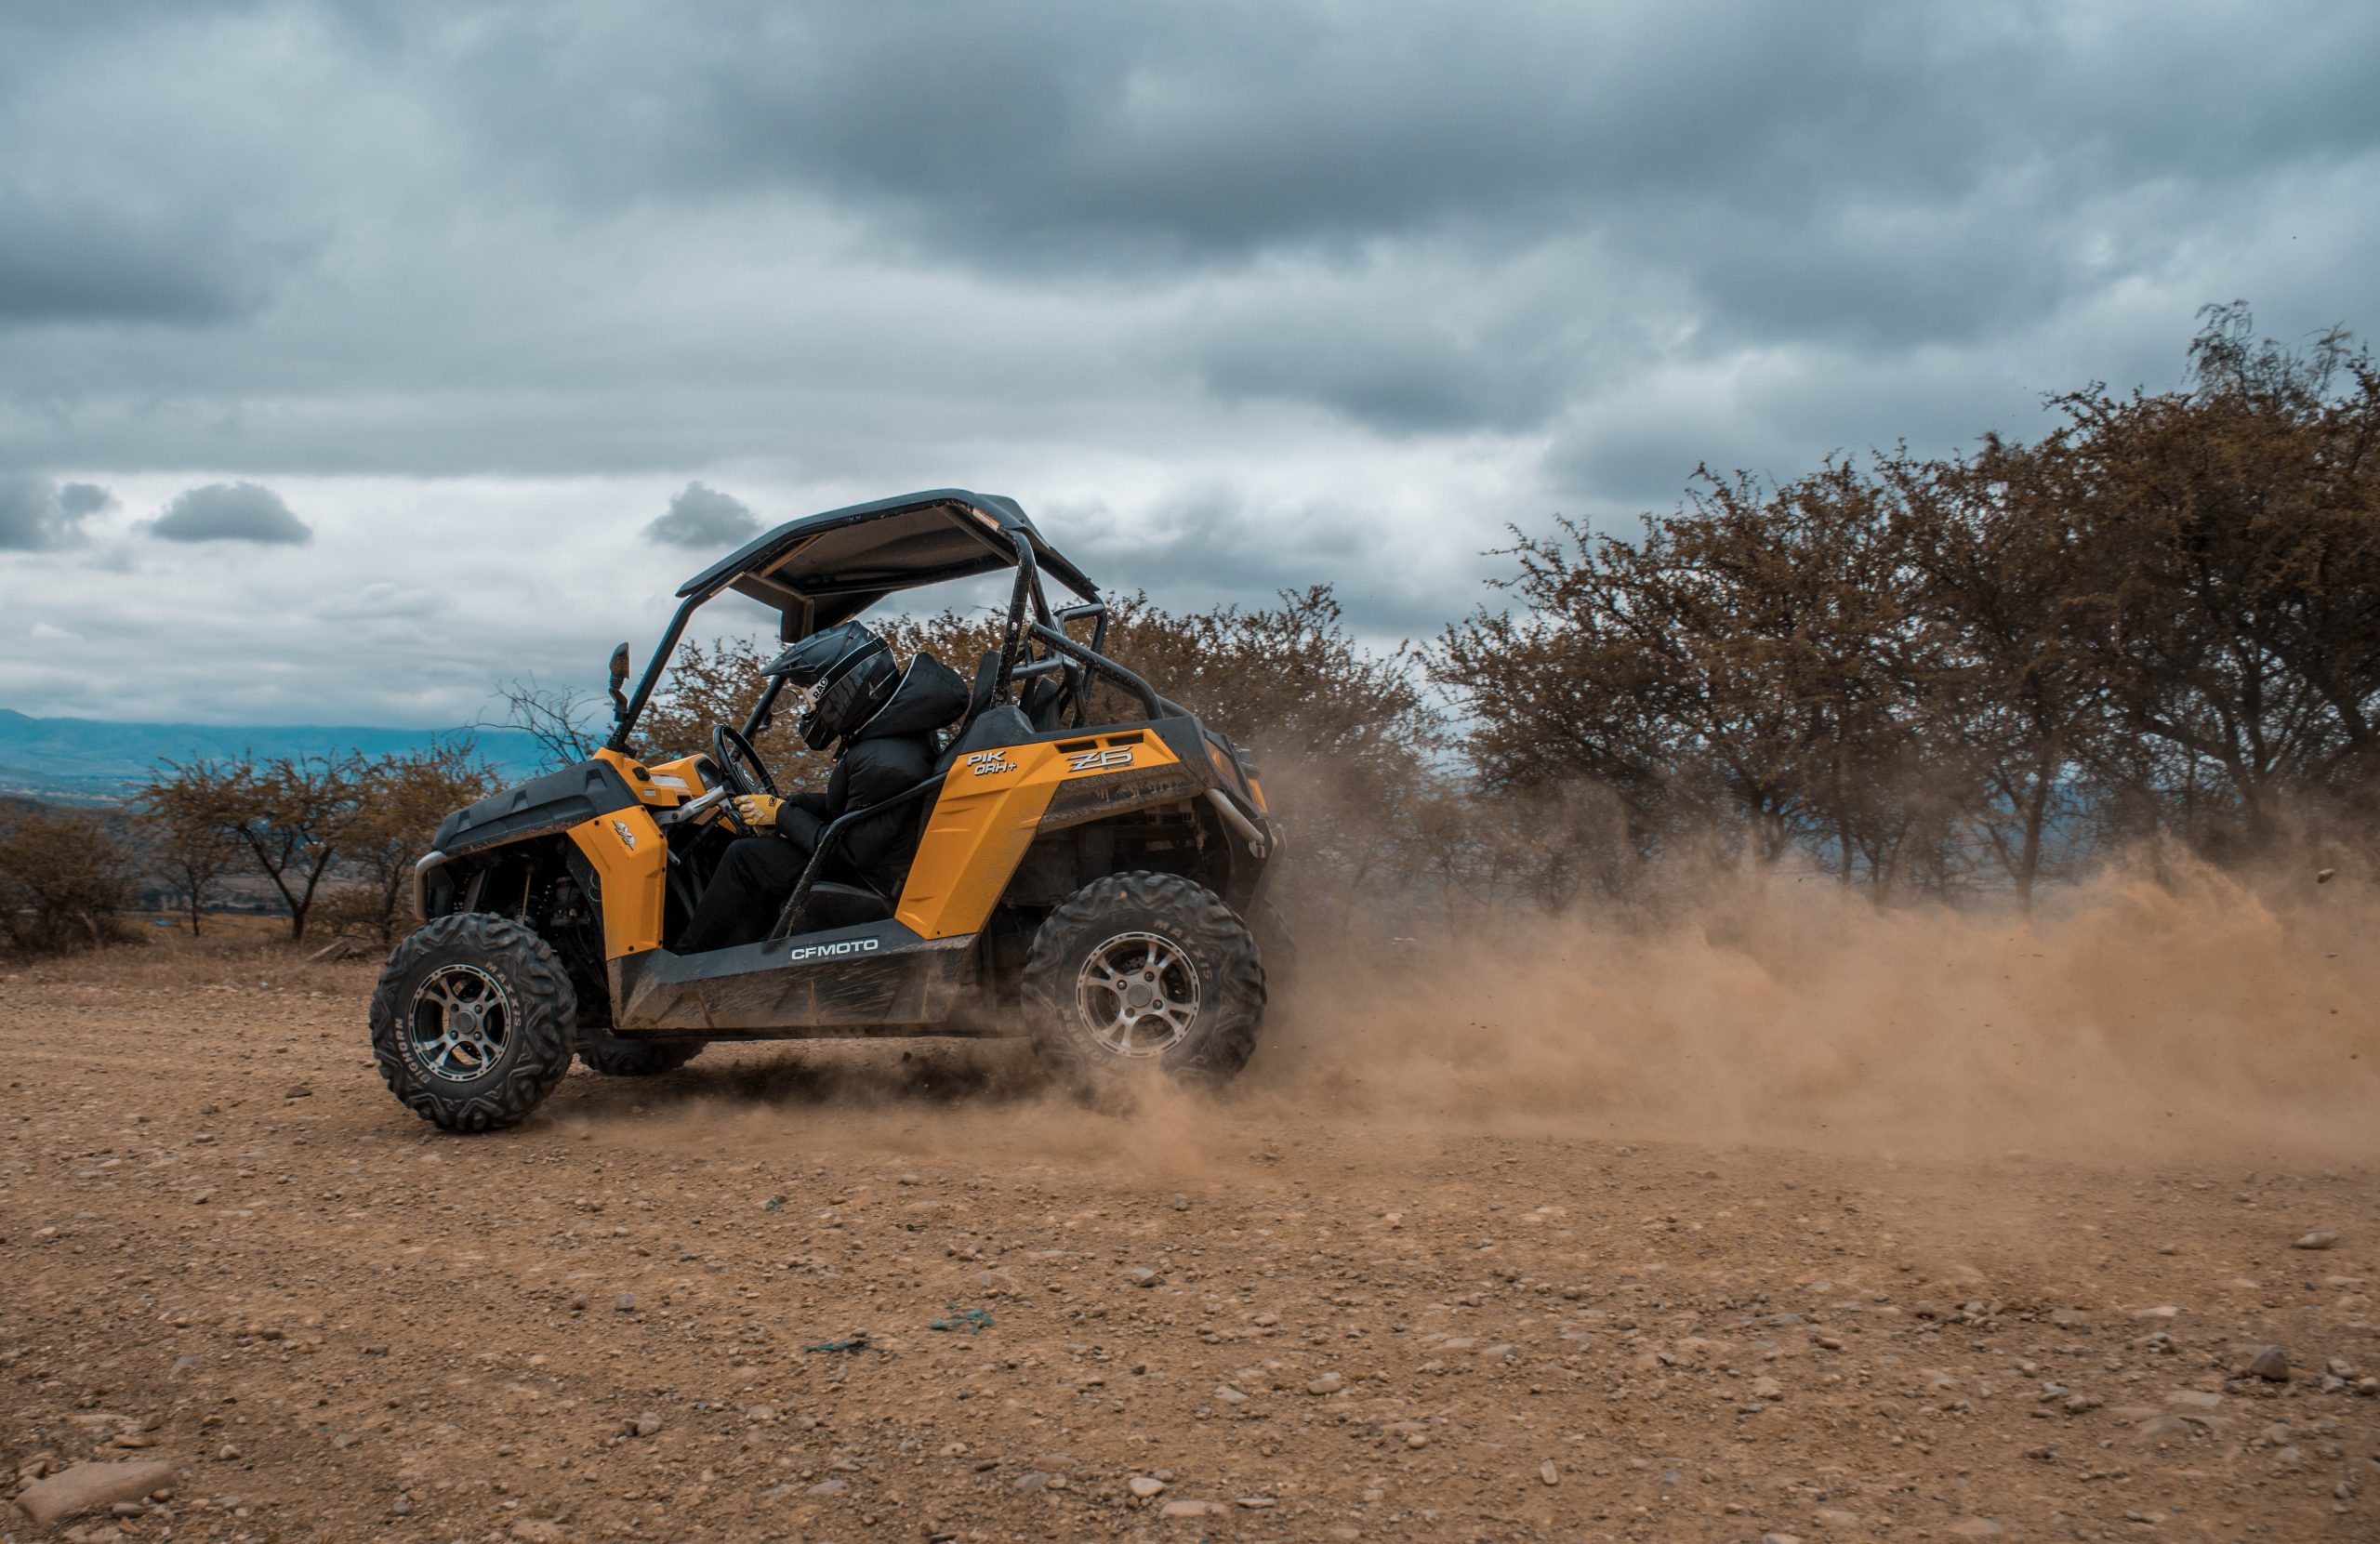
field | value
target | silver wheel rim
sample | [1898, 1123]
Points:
[1138, 993]
[460, 1023]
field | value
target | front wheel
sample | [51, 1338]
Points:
[471, 1022]
[1144, 971]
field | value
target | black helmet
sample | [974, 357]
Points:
[848, 671]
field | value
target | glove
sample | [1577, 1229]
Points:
[758, 811]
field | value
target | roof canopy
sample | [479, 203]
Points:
[827, 568]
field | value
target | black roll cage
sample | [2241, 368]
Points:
[1016, 545]
[1030, 620]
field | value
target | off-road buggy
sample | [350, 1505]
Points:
[1086, 884]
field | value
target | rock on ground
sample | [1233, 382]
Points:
[85, 1486]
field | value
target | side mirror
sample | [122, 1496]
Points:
[619, 679]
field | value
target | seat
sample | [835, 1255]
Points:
[979, 696]
[1002, 725]
[1043, 700]
[1044, 703]
[986, 725]
[832, 904]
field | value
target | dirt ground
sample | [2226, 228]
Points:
[1433, 1272]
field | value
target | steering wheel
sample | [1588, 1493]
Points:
[741, 768]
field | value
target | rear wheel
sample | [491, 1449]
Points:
[1144, 971]
[621, 1056]
[471, 1022]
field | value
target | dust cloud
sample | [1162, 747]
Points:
[2185, 1011]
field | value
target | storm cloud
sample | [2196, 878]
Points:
[37, 515]
[230, 512]
[703, 518]
[1232, 297]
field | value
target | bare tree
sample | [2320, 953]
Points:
[188, 814]
[290, 813]
[560, 720]
[2232, 533]
[1999, 658]
[1746, 661]
[387, 823]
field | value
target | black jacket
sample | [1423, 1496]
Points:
[890, 754]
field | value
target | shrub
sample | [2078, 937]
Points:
[65, 880]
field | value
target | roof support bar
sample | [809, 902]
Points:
[1028, 587]
[644, 688]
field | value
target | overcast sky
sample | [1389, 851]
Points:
[355, 356]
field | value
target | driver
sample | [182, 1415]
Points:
[880, 722]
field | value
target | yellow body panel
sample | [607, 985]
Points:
[663, 785]
[985, 816]
[631, 862]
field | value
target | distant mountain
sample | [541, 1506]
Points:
[82, 761]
